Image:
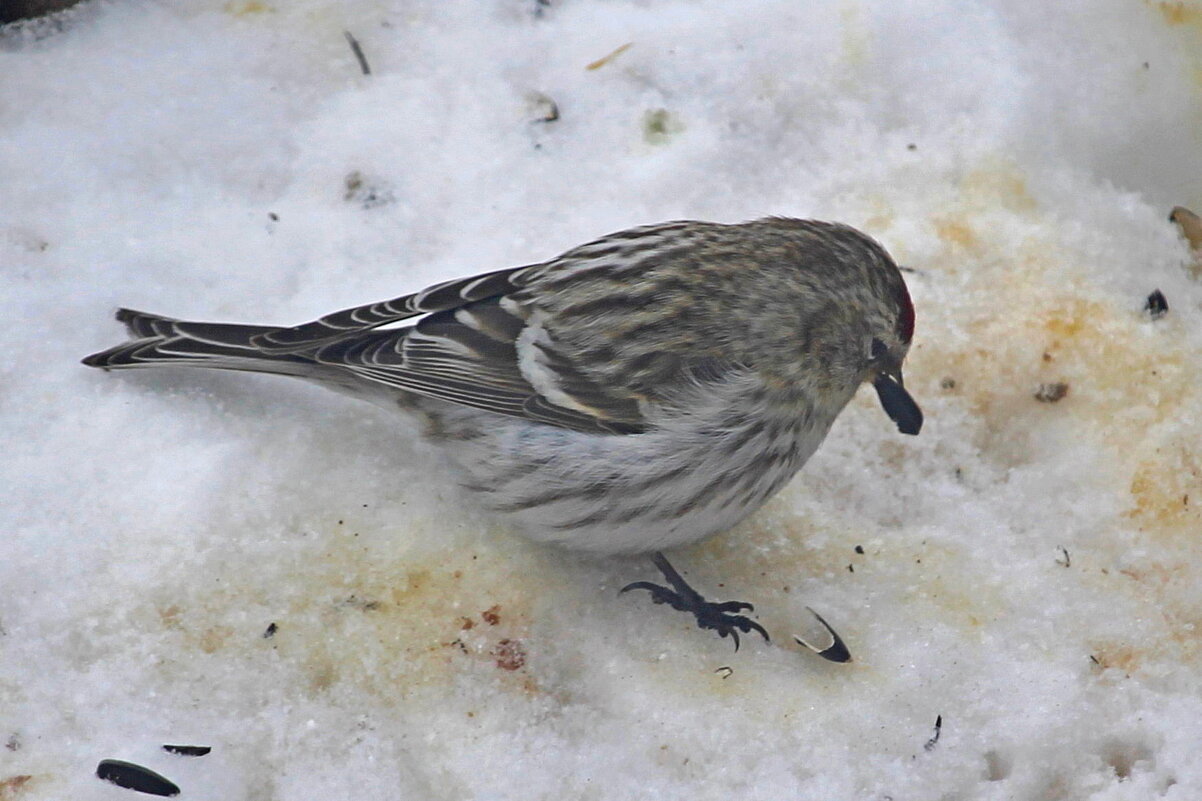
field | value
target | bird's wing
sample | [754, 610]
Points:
[616, 250]
[439, 297]
[528, 341]
[480, 345]
[473, 356]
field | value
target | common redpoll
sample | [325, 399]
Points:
[645, 390]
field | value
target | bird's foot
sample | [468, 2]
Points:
[720, 617]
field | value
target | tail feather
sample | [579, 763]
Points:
[142, 325]
[162, 340]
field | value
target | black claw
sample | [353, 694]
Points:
[716, 617]
[659, 594]
[751, 626]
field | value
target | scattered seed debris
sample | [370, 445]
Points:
[12, 785]
[367, 193]
[26, 239]
[361, 604]
[851, 569]
[1050, 393]
[358, 51]
[660, 125]
[836, 651]
[492, 615]
[1066, 561]
[726, 671]
[135, 777]
[188, 750]
[911, 146]
[930, 744]
[270, 631]
[509, 654]
[860, 549]
[540, 108]
[601, 62]
[1157, 305]
[1190, 225]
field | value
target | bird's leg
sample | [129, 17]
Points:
[719, 617]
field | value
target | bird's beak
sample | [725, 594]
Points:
[897, 403]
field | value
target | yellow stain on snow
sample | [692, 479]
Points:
[996, 184]
[957, 231]
[1029, 313]
[213, 638]
[1187, 17]
[1166, 491]
[246, 8]
[1000, 181]
[347, 622]
[14, 787]
[1123, 380]
[856, 39]
[413, 626]
[1118, 655]
[879, 214]
[1180, 13]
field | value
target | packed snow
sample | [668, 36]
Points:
[288, 577]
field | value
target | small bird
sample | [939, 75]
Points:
[642, 391]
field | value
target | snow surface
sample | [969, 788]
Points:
[1030, 571]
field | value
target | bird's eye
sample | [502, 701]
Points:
[879, 350]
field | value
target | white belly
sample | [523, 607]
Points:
[694, 477]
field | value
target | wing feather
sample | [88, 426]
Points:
[469, 356]
[474, 343]
[436, 298]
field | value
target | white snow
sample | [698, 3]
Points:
[1031, 571]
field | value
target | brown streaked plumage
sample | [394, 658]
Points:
[640, 391]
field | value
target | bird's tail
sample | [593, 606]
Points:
[161, 340]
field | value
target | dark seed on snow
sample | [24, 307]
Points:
[1157, 305]
[135, 777]
[188, 750]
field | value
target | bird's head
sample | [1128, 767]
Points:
[844, 305]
